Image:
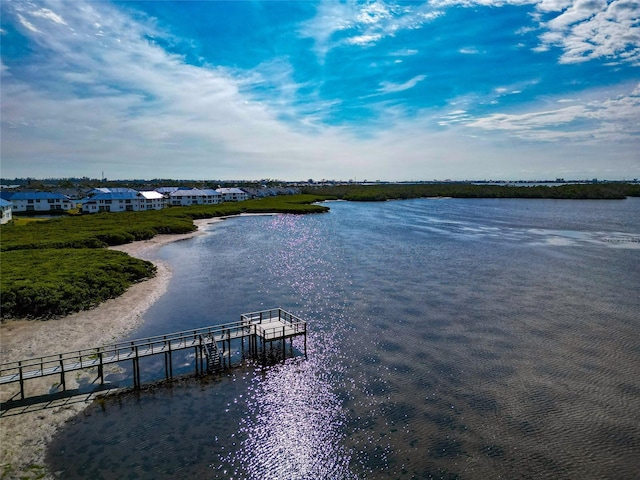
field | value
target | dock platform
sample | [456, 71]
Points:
[210, 344]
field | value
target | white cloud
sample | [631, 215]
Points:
[363, 23]
[584, 29]
[593, 29]
[364, 40]
[48, 14]
[596, 120]
[389, 87]
[28, 25]
[407, 52]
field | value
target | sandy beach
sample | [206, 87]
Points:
[25, 431]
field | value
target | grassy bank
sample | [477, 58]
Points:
[59, 266]
[598, 191]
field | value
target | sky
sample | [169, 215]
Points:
[336, 90]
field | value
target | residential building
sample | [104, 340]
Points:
[152, 200]
[6, 207]
[184, 197]
[233, 194]
[38, 202]
[113, 202]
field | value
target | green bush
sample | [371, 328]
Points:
[52, 282]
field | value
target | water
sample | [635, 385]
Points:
[449, 338]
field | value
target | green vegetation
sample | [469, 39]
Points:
[384, 192]
[59, 266]
[51, 282]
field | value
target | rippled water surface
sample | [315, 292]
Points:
[449, 338]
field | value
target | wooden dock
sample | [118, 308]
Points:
[212, 347]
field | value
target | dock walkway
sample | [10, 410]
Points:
[259, 328]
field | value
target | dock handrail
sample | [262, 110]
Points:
[17, 371]
[269, 315]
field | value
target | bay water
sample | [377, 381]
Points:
[448, 338]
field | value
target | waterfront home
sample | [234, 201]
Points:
[38, 202]
[233, 194]
[152, 200]
[5, 207]
[184, 197]
[128, 201]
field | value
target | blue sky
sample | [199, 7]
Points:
[291, 90]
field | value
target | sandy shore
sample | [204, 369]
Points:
[26, 431]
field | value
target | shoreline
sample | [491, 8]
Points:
[26, 431]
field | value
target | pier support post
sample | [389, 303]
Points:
[101, 369]
[21, 381]
[62, 380]
[136, 369]
[284, 346]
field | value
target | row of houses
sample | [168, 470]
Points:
[115, 200]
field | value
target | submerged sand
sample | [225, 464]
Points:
[25, 431]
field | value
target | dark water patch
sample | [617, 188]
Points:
[484, 354]
[442, 419]
[431, 336]
[544, 464]
[390, 346]
[382, 325]
[448, 372]
[498, 372]
[378, 388]
[526, 427]
[505, 346]
[411, 312]
[493, 451]
[398, 413]
[629, 390]
[622, 437]
[438, 474]
[402, 369]
[371, 359]
[422, 382]
[458, 339]
[481, 403]
[446, 448]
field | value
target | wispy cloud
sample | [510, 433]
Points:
[389, 87]
[363, 23]
[600, 119]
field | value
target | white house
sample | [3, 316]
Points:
[152, 201]
[233, 194]
[194, 196]
[5, 206]
[128, 201]
[42, 202]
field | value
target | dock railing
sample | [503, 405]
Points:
[263, 326]
[96, 357]
[263, 322]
